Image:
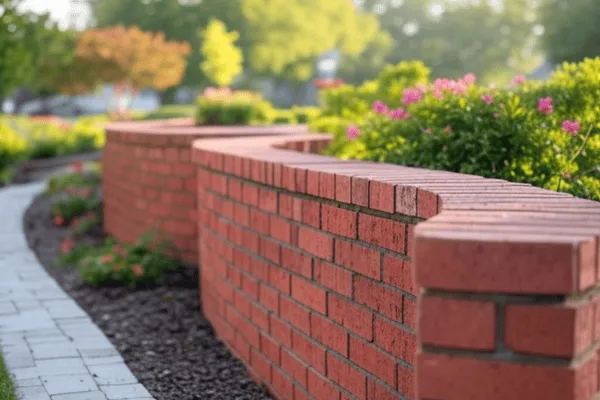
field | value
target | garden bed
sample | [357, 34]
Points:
[32, 170]
[160, 330]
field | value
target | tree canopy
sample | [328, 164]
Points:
[222, 58]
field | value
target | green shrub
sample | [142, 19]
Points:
[224, 107]
[500, 133]
[78, 202]
[60, 183]
[88, 134]
[305, 115]
[13, 147]
[284, 117]
[145, 261]
[172, 111]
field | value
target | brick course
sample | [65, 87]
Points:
[320, 274]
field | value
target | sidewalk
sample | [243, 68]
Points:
[51, 347]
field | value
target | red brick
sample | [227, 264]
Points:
[282, 384]
[427, 204]
[250, 286]
[259, 317]
[296, 262]
[379, 392]
[373, 360]
[250, 194]
[311, 213]
[280, 229]
[183, 169]
[382, 232]
[309, 351]
[267, 200]
[320, 388]
[406, 382]
[242, 304]
[463, 324]
[339, 221]
[549, 330]
[270, 250]
[381, 196]
[358, 258]
[241, 347]
[279, 279]
[352, 317]
[333, 277]
[409, 311]
[360, 192]
[406, 200]
[295, 314]
[309, 294]
[343, 188]
[293, 367]
[347, 377]
[398, 272]
[397, 341]
[456, 378]
[269, 298]
[327, 185]
[378, 298]
[316, 243]
[329, 334]
[259, 221]
[261, 365]
[280, 331]
[270, 349]
[312, 183]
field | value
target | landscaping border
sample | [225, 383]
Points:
[149, 181]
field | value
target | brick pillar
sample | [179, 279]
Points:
[507, 312]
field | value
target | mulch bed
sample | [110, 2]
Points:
[160, 332]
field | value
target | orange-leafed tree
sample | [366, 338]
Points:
[132, 59]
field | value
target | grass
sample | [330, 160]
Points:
[7, 388]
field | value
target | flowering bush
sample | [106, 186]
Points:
[13, 147]
[145, 261]
[545, 133]
[75, 196]
[226, 107]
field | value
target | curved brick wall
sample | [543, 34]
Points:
[308, 264]
[149, 181]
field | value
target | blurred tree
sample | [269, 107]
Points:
[572, 29]
[22, 38]
[367, 65]
[132, 59]
[494, 39]
[289, 35]
[222, 58]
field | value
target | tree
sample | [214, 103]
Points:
[495, 39]
[368, 64]
[289, 35]
[22, 38]
[133, 59]
[571, 28]
[222, 58]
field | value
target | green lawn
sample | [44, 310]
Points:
[7, 389]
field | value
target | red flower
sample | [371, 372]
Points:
[107, 258]
[59, 220]
[137, 270]
[67, 245]
[77, 166]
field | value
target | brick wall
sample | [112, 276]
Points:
[307, 267]
[149, 181]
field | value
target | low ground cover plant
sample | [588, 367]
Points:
[75, 196]
[227, 107]
[543, 133]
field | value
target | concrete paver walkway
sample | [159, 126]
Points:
[51, 347]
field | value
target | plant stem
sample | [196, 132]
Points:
[585, 139]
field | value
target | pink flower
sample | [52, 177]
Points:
[67, 245]
[496, 115]
[137, 270]
[410, 96]
[487, 98]
[459, 88]
[422, 87]
[107, 258]
[380, 107]
[469, 79]
[438, 94]
[352, 132]
[399, 113]
[427, 131]
[492, 86]
[571, 127]
[545, 105]
[448, 129]
[518, 80]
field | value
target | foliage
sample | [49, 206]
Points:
[222, 58]
[172, 111]
[529, 133]
[284, 117]
[7, 388]
[571, 29]
[145, 261]
[493, 39]
[13, 146]
[132, 58]
[305, 115]
[76, 179]
[75, 202]
[226, 107]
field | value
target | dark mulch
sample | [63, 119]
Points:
[161, 332]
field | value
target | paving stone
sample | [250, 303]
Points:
[80, 396]
[61, 366]
[103, 360]
[66, 384]
[115, 374]
[33, 393]
[53, 350]
[63, 309]
[125, 392]
[21, 383]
